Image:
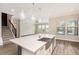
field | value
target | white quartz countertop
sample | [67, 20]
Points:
[31, 42]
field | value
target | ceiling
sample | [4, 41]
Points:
[50, 9]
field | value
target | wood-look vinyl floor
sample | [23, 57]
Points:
[8, 49]
[66, 48]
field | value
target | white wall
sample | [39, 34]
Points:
[1, 41]
[27, 24]
[0, 24]
[26, 27]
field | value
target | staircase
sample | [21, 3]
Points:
[6, 35]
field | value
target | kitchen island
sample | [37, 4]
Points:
[36, 44]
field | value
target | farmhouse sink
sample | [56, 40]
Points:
[48, 40]
[44, 39]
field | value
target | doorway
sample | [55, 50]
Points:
[4, 19]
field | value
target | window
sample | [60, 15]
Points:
[69, 27]
[72, 27]
[72, 31]
[61, 28]
[42, 28]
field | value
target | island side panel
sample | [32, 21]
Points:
[26, 52]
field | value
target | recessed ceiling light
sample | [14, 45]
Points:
[72, 9]
[33, 18]
[22, 15]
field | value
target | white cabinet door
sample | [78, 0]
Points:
[41, 51]
[49, 50]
